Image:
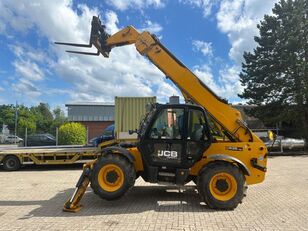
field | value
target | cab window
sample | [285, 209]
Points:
[168, 124]
[217, 131]
[196, 126]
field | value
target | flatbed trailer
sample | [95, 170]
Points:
[13, 158]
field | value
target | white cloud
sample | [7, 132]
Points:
[28, 70]
[17, 50]
[204, 73]
[135, 4]
[28, 73]
[165, 90]
[238, 19]
[205, 47]
[2, 27]
[152, 27]
[112, 19]
[53, 19]
[226, 86]
[205, 5]
[26, 89]
[8, 16]
[229, 77]
[125, 73]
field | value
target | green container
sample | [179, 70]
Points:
[128, 113]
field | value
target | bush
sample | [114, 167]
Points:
[72, 133]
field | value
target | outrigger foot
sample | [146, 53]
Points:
[72, 205]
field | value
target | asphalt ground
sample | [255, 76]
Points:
[32, 199]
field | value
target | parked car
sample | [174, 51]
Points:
[108, 134]
[41, 140]
[12, 139]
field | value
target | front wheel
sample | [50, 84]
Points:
[112, 176]
[221, 185]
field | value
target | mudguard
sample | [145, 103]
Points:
[119, 150]
[231, 159]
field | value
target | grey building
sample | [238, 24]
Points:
[95, 116]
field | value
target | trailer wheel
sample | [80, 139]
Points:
[113, 175]
[221, 185]
[11, 163]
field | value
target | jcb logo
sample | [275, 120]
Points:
[168, 154]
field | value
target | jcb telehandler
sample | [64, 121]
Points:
[204, 140]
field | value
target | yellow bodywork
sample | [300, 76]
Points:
[244, 153]
[246, 145]
[242, 147]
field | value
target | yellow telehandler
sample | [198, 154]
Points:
[204, 140]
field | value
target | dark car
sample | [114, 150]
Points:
[108, 134]
[41, 140]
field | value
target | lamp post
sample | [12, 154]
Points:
[16, 115]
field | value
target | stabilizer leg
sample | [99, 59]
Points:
[72, 205]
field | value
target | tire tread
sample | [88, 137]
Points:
[127, 168]
[205, 176]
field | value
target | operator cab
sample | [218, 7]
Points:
[172, 138]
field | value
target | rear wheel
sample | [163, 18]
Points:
[112, 176]
[11, 163]
[221, 185]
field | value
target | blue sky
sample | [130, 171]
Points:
[209, 36]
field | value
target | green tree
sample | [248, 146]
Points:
[43, 116]
[59, 119]
[72, 133]
[275, 74]
[7, 116]
[25, 119]
[35, 119]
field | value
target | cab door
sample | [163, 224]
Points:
[198, 135]
[177, 137]
[164, 141]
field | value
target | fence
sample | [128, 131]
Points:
[41, 138]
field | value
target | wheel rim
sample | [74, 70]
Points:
[110, 177]
[11, 163]
[223, 186]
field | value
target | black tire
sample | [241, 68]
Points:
[11, 163]
[110, 160]
[235, 191]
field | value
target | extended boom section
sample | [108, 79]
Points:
[191, 86]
